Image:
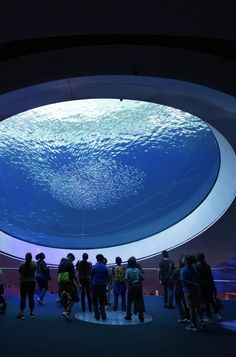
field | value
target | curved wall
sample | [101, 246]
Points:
[192, 42]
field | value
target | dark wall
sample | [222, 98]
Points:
[202, 18]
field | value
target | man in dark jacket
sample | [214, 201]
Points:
[166, 267]
[84, 268]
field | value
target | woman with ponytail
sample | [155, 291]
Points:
[27, 285]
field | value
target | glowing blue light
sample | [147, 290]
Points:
[100, 173]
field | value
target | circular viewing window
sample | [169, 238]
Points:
[99, 173]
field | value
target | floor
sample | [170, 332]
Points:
[49, 334]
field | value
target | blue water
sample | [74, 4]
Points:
[98, 173]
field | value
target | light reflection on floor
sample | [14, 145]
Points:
[229, 325]
[113, 318]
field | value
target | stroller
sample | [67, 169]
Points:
[3, 305]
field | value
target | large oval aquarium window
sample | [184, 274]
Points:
[102, 172]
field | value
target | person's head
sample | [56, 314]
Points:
[85, 256]
[187, 260]
[165, 254]
[28, 257]
[40, 256]
[201, 257]
[70, 257]
[118, 260]
[132, 262]
[100, 258]
[180, 262]
[104, 260]
[193, 259]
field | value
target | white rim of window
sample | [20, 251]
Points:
[182, 95]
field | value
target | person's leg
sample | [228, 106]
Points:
[139, 302]
[102, 301]
[179, 305]
[189, 302]
[130, 297]
[123, 296]
[72, 297]
[31, 290]
[165, 295]
[23, 295]
[170, 294]
[83, 288]
[197, 303]
[186, 309]
[88, 293]
[95, 302]
[116, 296]
[44, 290]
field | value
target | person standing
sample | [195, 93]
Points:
[166, 267]
[27, 285]
[100, 277]
[42, 277]
[68, 282]
[208, 288]
[119, 285]
[179, 293]
[134, 278]
[192, 292]
[84, 268]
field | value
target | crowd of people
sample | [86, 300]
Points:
[95, 282]
[190, 284]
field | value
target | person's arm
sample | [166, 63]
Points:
[75, 277]
[127, 275]
[141, 275]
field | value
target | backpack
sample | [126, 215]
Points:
[119, 274]
[63, 277]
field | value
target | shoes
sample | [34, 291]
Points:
[66, 314]
[20, 316]
[115, 308]
[191, 327]
[31, 315]
[182, 319]
[141, 318]
[128, 318]
[104, 317]
[40, 301]
[204, 326]
[97, 315]
[219, 318]
[58, 301]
